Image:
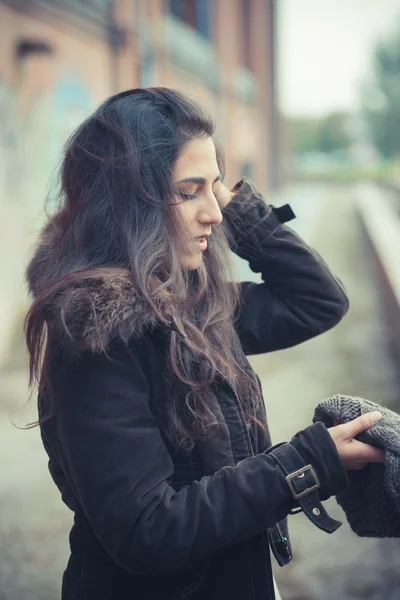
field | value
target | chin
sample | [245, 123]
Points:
[193, 266]
[192, 263]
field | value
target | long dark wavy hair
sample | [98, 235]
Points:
[117, 210]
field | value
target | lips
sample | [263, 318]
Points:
[203, 242]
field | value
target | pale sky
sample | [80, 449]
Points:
[324, 50]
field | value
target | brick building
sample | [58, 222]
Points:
[60, 58]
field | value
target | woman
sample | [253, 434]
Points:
[150, 413]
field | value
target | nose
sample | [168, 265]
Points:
[210, 212]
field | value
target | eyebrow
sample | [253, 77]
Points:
[199, 180]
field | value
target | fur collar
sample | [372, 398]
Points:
[89, 314]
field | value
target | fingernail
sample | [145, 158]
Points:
[375, 416]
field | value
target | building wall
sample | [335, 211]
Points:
[57, 64]
[43, 96]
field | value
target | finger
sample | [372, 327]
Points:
[370, 454]
[361, 424]
[223, 195]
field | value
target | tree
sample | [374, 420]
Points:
[381, 97]
[302, 134]
[332, 133]
[319, 134]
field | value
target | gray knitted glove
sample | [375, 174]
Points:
[372, 501]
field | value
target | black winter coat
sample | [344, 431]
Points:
[152, 523]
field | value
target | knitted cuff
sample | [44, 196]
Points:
[372, 501]
[368, 505]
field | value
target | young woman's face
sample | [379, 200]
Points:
[196, 179]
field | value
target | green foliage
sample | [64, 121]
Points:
[302, 134]
[332, 134]
[381, 97]
[311, 134]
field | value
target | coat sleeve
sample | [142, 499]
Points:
[120, 471]
[299, 297]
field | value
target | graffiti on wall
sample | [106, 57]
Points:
[53, 117]
[30, 147]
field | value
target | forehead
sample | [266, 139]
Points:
[197, 159]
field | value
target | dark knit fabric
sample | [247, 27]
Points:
[372, 501]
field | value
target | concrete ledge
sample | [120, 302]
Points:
[381, 224]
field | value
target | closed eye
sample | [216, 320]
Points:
[197, 181]
[187, 196]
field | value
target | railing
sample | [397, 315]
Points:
[97, 10]
[91, 13]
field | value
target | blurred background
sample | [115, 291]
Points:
[307, 98]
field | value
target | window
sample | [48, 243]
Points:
[183, 10]
[195, 13]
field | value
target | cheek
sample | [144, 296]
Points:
[188, 214]
[186, 229]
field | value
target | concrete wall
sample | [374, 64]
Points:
[77, 62]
